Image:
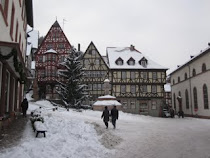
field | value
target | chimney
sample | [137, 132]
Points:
[78, 47]
[132, 48]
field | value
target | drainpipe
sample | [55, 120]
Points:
[190, 91]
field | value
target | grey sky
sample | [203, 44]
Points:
[168, 31]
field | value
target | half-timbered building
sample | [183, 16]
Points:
[51, 52]
[136, 81]
[96, 71]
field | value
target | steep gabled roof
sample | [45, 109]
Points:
[102, 58]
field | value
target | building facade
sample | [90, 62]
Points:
[136, 81]
[190, 82]
[51, 52]
[14, 17]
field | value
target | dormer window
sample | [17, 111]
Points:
[131, 61]
[119, 61]
[143, 62]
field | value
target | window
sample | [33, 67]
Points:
[133, 105]
[144, 88]
[125, 105]
[154, 89]
[94, 86]
[203, 67]
[60, 45]
[86, 61]
[119, 61]
[205, 97]
[90, 86]
[154, 105]
[195, 98]
[123, 88]
[93, 52]
[145, 75]
[132, 75]
[187, 99]
[194, 72]
[53, 57]
[178, 79]
[62, 58]
[131, 61]
[123, 75]
[133, 89]
[49, 46]
[173, 81]
[154, 75]
[185, 76]
[12, 21]
[97, 62]
[40, 58]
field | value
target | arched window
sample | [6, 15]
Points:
[203, 67]
[205, 97]
[175, 101]
[187, 99]
[194, 72]
[185, 76]
[195, 98]
[178, 79]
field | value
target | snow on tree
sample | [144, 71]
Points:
[71, 90]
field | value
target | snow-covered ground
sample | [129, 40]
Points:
[73, 134]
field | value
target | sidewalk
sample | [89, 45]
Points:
[11, 135]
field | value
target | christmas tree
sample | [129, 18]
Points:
[71, 90]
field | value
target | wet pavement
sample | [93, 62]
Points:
[12, 135]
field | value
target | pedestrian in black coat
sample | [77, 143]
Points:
[24, 106]
[105, 115]
[114, 114]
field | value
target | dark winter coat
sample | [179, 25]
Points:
[105, 115]
[114, 113]
[24, 105]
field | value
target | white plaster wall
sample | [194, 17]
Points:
[198, 81]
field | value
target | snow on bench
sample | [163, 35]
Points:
[39, 127]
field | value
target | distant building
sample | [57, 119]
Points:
[136, 81]
[167, 95]
[32, 46]
[190, 82]
[14, 17]
[51, 52]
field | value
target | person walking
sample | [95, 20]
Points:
[114, 114]
[24, 106]
[105, 115]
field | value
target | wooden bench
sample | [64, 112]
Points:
[39, 127]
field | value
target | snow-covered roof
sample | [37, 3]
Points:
[106, 80]
[192, 59]
[50, 51]
[107, 103]
[167, 87]
[32, 41]
[107, 96]
[126, 53]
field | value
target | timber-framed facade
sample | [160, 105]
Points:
[136, 81]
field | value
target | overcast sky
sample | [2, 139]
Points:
[167, 31]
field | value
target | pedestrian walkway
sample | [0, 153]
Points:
[11, 135]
